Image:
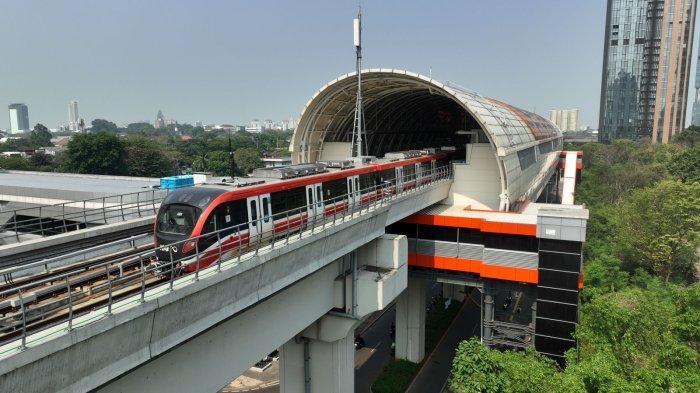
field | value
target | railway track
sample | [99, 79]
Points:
[51, 297]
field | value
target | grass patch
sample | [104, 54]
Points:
[397, 374]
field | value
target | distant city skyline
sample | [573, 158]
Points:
[115, 74]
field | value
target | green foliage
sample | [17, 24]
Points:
[97, 153]
[685, 165]
[476, 368]
[15, 163]
[140, 128]
[40, 136]
[689, 137]
[639, 327]
[41, 162]
[246, 159]
[145, 157]
[658, 228]
[395, 377]
[216, 162]
[102, 125]
[634, 340]
[637, 340]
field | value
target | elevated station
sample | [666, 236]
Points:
[490, 231]
[501, 220]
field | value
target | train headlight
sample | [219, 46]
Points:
[189, 246]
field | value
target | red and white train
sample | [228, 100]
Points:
[276, 202]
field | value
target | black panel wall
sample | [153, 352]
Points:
[557, 295]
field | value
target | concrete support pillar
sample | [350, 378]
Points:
[488, 317]
[309, 365]
[410, 321]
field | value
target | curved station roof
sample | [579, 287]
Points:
[405, 110]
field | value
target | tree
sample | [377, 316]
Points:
[689, 137]
[42, 161]
[217, 163]
[475, 368]
[658, 228]
[101, 125]
[40, 136]
[140, 128]
[99, 153]
[246, 159]
[16, 163]
[638, 340]
[145, 157]
[685, 165]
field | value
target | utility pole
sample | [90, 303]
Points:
[231, 160]
[359, 116]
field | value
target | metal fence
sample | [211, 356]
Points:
[64, 217]
[80, 299]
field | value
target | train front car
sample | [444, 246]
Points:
[177, 218]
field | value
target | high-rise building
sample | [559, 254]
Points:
[696, 105]
[160, 120]
[565, 119]
[19, 118]
[255, 126]
[73, 117]
[646, 64]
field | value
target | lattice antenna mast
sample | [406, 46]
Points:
[359, 116]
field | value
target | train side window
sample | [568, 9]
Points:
[366, 180]
[319, 196]
[265, 209]
[210, 225]
[253, 210]
[280, 200]
[295, 198]
[334, 189]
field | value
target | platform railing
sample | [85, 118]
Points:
[84, 301]
[64, 217]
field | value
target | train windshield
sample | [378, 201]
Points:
[177, 219]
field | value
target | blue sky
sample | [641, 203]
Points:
[231, 61]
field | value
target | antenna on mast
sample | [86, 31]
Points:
[359, 116]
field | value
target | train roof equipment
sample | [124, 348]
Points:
[289, 171]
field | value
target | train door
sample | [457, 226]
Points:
[253, 206]
[419, 174]
[314, 200]
[260, 215]
[433, 169]
[266, 221]
[353, 190]
[399, 179]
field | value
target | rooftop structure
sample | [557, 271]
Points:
[509, 151]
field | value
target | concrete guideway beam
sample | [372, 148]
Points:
[209, 361]
[153, 335]
[93, 355]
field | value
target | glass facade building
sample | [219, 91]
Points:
[696, 105]
[19, 118]
[644, 90]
